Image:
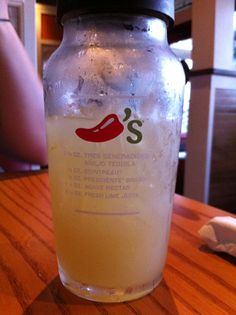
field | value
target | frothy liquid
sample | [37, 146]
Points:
[112, 203]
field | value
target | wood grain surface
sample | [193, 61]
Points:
[196, 280]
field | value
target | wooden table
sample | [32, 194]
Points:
[196, 280]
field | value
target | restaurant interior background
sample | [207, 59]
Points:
[203, 36]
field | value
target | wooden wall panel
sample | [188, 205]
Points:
[49, 28]
[49, 33]
[223, 167]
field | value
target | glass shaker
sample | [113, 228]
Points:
[113, 98]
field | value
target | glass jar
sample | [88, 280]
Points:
[113, 97]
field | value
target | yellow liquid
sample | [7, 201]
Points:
[112, 203]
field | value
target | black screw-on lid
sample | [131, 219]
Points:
[160, 8]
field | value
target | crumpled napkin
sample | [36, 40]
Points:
[220, 234]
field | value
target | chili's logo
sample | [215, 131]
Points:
[110, 128]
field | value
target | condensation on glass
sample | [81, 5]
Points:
[113, 96]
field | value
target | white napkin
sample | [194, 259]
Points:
[220, 234]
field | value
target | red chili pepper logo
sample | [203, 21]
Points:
[108, 129]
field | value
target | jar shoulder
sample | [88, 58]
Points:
[71, 60]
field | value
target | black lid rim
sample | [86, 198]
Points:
[75, 13]
[163, 9]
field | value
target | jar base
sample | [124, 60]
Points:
[107, 295]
